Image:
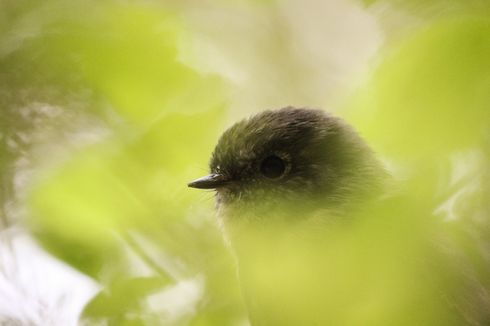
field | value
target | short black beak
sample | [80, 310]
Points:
[211, 181]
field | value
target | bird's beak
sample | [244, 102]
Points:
[211, 181]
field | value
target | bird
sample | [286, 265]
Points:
[286, 154]
[321, 234]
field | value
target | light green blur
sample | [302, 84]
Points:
[424, 107]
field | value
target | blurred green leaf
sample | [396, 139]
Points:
[429, 95]
[121, 62]
[122, 297]
[437, 7]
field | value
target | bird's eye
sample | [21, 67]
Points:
[272, 167]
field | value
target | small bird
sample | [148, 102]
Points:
[283, 167]
[292, 155]
[322, 238]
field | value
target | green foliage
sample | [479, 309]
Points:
[162, 118]
[435, 8]
[119, 64]
[120, 302]
[418, 95]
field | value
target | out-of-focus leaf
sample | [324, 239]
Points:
[116, 186]
[122, 297]
[435, 6]
[430, 95]
[127, 55]
[426, 110]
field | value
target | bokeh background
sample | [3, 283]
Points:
[108, 108]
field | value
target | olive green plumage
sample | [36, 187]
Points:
[293, 155]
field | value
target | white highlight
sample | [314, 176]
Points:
[36, 288]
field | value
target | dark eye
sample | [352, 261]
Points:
[272, 167]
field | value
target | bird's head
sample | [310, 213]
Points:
[290, 156]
